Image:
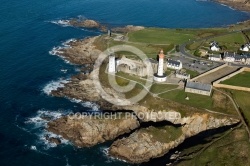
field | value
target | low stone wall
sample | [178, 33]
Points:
[232, 87]
[218, 84]
[201, 92]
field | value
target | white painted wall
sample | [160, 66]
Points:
[112, 65]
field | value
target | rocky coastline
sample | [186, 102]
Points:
[87, 131]
[143, 144]
[243, 5]
[146, 144]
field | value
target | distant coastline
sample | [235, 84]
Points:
[243, 5]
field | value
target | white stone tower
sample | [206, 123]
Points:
[160, 76]
[112, 65]
[161, 63]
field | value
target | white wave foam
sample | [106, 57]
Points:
[54, 85]
[88, 104]
[75, 100]
[93, 106]
[47, 144]
[56, 51]
[63, 23]
[43, 116]
[40, 120]
[64, 70]
[105, 152]
[77, 69]
[66, 43]
[228, 6]
[33, 148]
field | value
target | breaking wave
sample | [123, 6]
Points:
[63, 23]
[88, 104]
[54, 85]
[38, 123]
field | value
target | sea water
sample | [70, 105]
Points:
[28, 72]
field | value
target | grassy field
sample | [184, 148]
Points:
[230, 42]
[230, 39]
[241, 79]
[195, 45]
[158, 88]
[217, 102]
[171, 36]
[242, 99]
[163, 134]
[131, 77]
[151, 50]
[192, 73]
[248, 33]
[195, 100]
[231, 150]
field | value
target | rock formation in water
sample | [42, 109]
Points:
[86, 23]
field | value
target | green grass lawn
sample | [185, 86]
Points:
[217, 102]
[131, 77]
[194, 45]
[192, 73]
[242, 98]
[231, 38]
[151, 50]
[158, 88]
[171, 36]
[241, 79]
[248, 33]
[195, 100]
[230, 42]
[232, 150]
[163, 134]
[162, 36]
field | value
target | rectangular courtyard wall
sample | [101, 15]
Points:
[218, 85]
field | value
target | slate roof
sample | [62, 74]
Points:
[215, 56]
[214, 45]
[199, 86]
[239, 57]
[174, 63]
[230, 54]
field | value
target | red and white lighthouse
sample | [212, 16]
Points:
[161, 63]
[160, 76]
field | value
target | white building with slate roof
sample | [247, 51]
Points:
[172, 64]
[198, 88]
[245, 47]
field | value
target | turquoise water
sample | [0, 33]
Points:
[28, 71]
